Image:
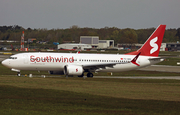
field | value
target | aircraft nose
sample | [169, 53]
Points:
[4, 62]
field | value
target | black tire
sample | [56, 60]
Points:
[90, 75]
[18, 74]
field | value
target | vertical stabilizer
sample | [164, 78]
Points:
[152, 46]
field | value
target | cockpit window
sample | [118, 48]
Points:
[12, 57]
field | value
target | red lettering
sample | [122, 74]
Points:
[47, 59]
[38, 59]
[62, 58]
[66, 59]
[32, 59]
[43, 59]
[57, 59]
[51, 59]
[71, 60]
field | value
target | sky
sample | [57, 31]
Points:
[62, 14]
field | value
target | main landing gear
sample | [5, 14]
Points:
[89, 74]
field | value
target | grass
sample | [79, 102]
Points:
[76, 96]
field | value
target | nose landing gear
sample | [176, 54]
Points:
[18, 74]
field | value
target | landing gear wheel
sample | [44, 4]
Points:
[18, 74]
[89, 74]
[81, 75]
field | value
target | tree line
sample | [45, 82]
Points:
[73, 33]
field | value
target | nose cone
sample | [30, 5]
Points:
[5, 63]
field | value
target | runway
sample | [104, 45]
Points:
[108, 77]
[140, 77]
[162, 68]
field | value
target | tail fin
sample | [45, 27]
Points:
[152, 46]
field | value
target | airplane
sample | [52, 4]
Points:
[70, 64]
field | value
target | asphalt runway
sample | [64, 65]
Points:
[110, 77]
[116, 77]
[142, 77]
[162, 68]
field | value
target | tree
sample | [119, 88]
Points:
[129, 36]
[178, 33]
[116, 36]
[84, 32]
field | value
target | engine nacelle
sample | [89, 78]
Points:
[56, 72]
[73, 70]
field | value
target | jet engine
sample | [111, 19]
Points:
[56, 72]
[73, 70]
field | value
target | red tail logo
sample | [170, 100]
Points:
[152, 46]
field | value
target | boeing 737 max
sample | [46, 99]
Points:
[79, 63]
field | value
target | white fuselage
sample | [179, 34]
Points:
[57, 61]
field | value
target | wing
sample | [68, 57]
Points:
[97, 67]
[100, 66]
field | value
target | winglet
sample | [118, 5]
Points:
[134, 60]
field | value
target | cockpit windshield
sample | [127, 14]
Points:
[12, 57]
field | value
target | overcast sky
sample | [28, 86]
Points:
[55, 14]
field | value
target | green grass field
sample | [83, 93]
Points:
[77, 96]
